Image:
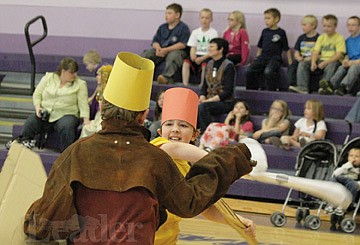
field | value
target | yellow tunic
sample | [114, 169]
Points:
[167, 233]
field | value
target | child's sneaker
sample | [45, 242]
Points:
[329, 209]
[8, 144]
[28, 143]
[325, 88]
[297, 89]
[341, 90]
[339, 211]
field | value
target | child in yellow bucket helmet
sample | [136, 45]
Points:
[114, 186]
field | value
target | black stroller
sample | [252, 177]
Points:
[316, 160]
[347, 225]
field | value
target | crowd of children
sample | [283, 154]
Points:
[334, 61]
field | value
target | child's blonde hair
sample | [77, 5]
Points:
[92, 56]
[317, 107]
[239, 18]
[311, 19]
[207, 10]
[104, 72]
[285, 108]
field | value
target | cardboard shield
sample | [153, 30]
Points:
[22, 181]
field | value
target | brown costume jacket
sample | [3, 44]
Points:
[119, 158]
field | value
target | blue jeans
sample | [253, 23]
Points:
[353, 115]
[269, 68]
[65, 126]
[304, 71]
[209, 109]
[346, 76]
[350, 184]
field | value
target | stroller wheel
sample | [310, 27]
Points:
[278, 219]
[312, 222]
[348, 225]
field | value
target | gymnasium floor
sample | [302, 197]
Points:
[203, 232]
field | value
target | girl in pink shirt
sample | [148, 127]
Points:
[237, 37]
[236, 125]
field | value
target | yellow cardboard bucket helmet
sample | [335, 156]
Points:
[130, 82]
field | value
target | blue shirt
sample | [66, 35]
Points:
[353, 47]
[166, 37]
[273, 43]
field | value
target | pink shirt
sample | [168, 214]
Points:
[238, 43]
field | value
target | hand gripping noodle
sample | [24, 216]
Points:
[130, 82]
[180, 104]
[233, 220]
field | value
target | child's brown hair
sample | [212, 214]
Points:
[332, 18]
[274, 12]
[317, 108]
[176, 7]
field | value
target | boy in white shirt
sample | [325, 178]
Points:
[199, 43]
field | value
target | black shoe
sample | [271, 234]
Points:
[302, 142]
[325, 88]
[341, 90]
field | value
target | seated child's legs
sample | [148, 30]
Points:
[329, 70]
[338, 76]
[151, 54]
[190, 67]
[303, 75]
[350, 184]
[173, 61]
[353, 75]
[272, 74]
[186, 67]
[251, 72]
[291, 74]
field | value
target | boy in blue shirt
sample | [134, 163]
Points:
[169, 44]
[272, 43]
[349, 72]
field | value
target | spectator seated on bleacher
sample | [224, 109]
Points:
[169, 44]
[94, 126]
[308, 128]
[61, 103]
[275, 125]
[272, 43]
[237, 124]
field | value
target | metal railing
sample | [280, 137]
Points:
[31, 44]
